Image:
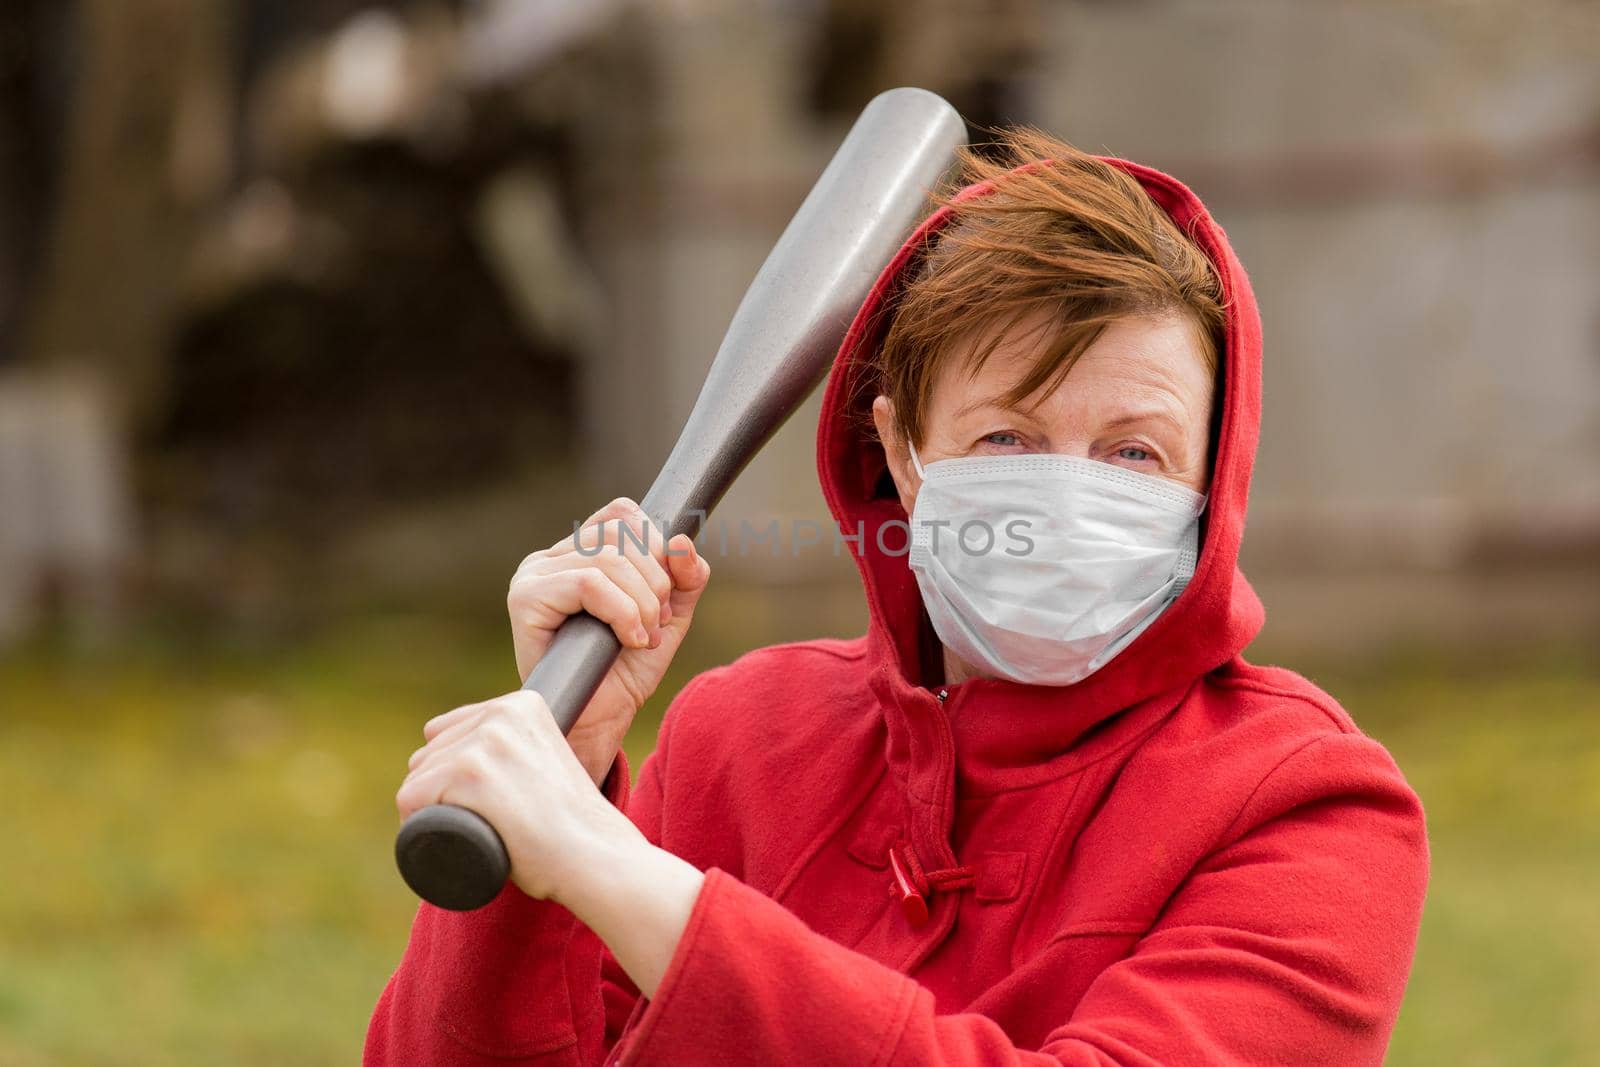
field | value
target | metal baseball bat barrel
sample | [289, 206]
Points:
[778, 347]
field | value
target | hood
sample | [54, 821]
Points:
[1005, 723]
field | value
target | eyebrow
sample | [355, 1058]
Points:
[984, 401]
[1121, 419]
[1127, 418]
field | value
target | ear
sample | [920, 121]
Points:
[897, 452]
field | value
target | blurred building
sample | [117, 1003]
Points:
[1414, 187]
[402, 250]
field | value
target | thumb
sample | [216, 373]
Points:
[690, 571]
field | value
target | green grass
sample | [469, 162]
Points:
[1506, 758]
[196, 862]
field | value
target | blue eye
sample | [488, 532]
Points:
[1140, 455]
[1011, 438]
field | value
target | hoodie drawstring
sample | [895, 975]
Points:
[914, 885]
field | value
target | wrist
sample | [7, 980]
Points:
[637, 898]
[605, 844]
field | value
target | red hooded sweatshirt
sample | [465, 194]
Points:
[1184, 858]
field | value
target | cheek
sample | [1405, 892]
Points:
[1198, 477]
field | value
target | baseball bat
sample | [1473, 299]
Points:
[781, 341]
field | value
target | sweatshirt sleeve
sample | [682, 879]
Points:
[517, 981]
[1291, 943]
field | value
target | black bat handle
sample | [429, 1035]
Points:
[449, 855]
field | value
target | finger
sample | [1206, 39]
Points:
[442, 722]
[427, 787]
[642, 544]
[538, 590]
[624, 524]
[652, 567]
[586, 589]
[690, 573]
[604, 527]
[636, 539]
[443, 739]
[689, 569]
[528, 711]
[585, 534]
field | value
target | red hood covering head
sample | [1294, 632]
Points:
[1215, 617]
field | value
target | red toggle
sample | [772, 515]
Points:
[913, 903]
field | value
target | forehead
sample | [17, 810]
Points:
[1143, 356]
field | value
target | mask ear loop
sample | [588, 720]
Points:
[915, 462]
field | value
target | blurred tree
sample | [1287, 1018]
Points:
[35, 77]
[346, 343]
[387, 367]
[145, 147]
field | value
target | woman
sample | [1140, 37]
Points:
[1043, 811]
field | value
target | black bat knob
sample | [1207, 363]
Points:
[452, 857]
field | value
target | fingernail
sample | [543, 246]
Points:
[655, 640]
[641, 636]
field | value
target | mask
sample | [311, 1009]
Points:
[1041, 568]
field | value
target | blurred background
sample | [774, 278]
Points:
[317, 315]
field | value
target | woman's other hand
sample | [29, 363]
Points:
[646, 596]
[506, 760]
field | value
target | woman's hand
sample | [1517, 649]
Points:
[647, 597]
[507, 760]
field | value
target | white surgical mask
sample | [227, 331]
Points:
[1040, 568]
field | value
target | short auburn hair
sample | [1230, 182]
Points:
[1069, 235]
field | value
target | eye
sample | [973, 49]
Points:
[1003, 437]
[1134, 453]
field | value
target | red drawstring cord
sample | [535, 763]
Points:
[914, 885]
